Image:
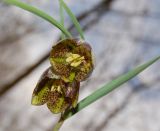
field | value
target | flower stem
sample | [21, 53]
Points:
[58, 125]
[61, 17]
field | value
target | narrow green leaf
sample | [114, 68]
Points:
[40, 14]
[73, 18]
[109, 87]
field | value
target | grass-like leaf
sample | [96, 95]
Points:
[73, 18]
[104, 91]
[113, 85]
[40, 14]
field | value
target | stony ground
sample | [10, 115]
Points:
[123, 34]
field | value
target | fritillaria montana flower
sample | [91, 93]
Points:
[72, 59]
[55, 92]
[71, 62]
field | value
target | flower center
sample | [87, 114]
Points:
[74, 59]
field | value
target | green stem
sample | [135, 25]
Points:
[58, 125]
[40, 14]
[61, 17]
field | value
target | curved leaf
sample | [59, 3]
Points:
[40, 14]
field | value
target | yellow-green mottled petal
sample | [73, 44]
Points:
[72, 92]
[41, 97]
[57, 103]
[40, 93]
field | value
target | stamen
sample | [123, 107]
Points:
[56, 88]
[74, 59]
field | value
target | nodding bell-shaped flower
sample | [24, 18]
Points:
[72, 60]
[55, 92]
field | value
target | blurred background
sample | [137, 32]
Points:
[122, 33]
